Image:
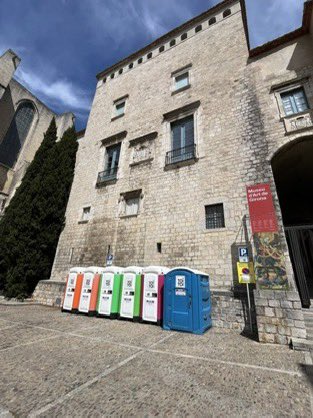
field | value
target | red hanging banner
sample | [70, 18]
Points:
[261, 208]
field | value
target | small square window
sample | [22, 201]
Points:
[294, 101]
[161, 49]
[131, 65]
[212, 21]
[120, 109]
[149, 56]
[139, 61]
[112, 75]
[86, 214]
[181, 81]
[120, 71]
[184, 36]
[214, 216]
[226, 13]
[198, 28]
[173, 42]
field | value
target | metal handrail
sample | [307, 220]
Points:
[180, 154]
[107, 175]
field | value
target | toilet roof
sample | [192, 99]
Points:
[201, 273]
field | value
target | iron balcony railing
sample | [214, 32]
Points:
[181, 154]
[107, 175]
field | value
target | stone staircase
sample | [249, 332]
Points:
[301, 344]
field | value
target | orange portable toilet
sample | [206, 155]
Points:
[89, 294]
[73, 289]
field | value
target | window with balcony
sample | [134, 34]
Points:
[111, 164]
[294, 101]
[183, 144]
[214, 216]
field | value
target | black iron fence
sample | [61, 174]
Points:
[180, 154]
[107, 175]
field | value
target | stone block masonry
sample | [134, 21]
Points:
[279, 316]
[49, 292]
[238, 127]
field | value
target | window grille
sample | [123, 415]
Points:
[214, 216]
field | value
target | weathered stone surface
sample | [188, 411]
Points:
[98, 367]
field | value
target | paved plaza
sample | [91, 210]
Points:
[57, 364]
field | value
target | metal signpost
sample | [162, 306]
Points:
[245, 271]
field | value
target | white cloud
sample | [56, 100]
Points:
[58, 92]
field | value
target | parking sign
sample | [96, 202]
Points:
[243, 254]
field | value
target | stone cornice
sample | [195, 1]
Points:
[188, 108]
[148, 137]
[114, 138]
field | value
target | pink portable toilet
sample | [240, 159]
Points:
[152, 294]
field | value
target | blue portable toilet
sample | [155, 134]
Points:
[187, 301]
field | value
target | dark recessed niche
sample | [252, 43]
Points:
[149, 55]
[161, 49]
[173, 42]
[112, 75]
[184, 36]
[159, 247]
[104, 80]
[198, 28]
[131, 65]
[120, 71]
[226, 13]
[212, 21]
[139, 61]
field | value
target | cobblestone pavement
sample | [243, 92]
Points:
[57, 364]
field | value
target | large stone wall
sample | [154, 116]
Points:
[173, 202]
[239, 126]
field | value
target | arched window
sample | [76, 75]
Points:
[16, 134]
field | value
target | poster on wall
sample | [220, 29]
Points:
[261, 208]
[269, 260]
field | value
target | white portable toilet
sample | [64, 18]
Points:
[89, 293]
[131, 293]
[73, 289]
[152, 294]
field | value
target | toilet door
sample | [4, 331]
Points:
[150, 298]
[69, 293]
[106, 294]
[128, 295]
[86, 293]
[181, 301]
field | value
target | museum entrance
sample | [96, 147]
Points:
[293, 173]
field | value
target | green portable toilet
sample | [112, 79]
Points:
[109, 294]
[131, 293]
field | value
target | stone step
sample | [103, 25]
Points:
[302, 345]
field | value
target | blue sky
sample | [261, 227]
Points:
[65, 43]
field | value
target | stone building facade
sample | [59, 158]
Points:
[176, 134]
[23, 121]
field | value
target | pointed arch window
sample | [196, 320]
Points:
[16, 134]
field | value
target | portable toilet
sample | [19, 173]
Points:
[187, 301]
[73, 289]
[89, 293]
[152, 294]
[131, 293]
[109, 295]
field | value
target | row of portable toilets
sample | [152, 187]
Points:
[179, 298]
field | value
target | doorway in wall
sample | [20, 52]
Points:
[293, 173]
